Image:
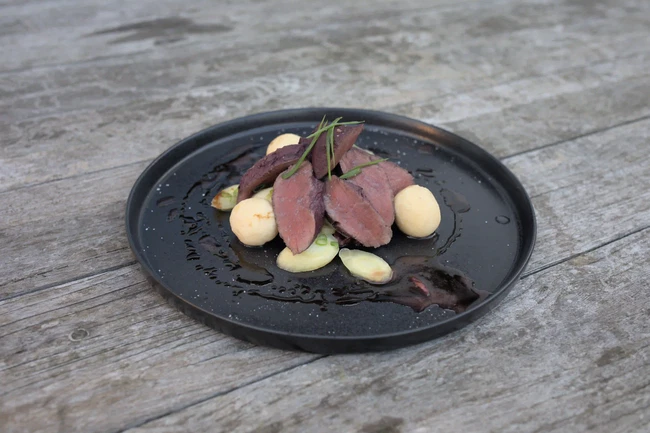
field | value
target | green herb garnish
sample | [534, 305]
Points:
[322, 129]
[323, 126]
[315, 136]
[329, 148]
[357, 170]
[329, 151]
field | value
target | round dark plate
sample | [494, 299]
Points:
[486, 235]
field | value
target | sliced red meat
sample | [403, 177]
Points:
[344, 138]
[299, 208]
[373, 181]
[353, 214]
[268, 168]
[355, 156]
[397, 176]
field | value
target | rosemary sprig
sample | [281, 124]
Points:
[327, 152]
[323, 127]
[357, 170]
[336, 122]
[329, 144]
[329, 148]
[295, 168]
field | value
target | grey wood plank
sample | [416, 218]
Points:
[47, 27]
[86, 345]
[132, 332]
[179, 89]
[556, 175]
[570, 353]
[111, 345]
[176, 25]
[142, 130]
[63, 230]
[532, 113]
[419, 37]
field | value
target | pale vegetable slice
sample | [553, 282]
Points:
[281, 141]
[253, 221]
[366, 266]
[227, 198]
[320, 253]
[266, 194]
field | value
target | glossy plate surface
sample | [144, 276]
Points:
[487, 234]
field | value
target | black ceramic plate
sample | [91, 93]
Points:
[486, 237]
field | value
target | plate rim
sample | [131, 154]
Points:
[239, 124]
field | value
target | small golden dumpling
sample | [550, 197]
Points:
[253, 221]
[417, 212]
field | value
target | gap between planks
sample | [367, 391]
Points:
[577, 137]
[74, 176]
[70, 280]
[219, 394]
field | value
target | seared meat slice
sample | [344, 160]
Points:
[353, 214]
[373, 181]
[344, 138]
[268, 168]
[397, 176]
[298, 207]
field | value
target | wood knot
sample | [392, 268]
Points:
[78, 334]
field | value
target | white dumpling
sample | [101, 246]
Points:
[253, 221]
[417, 212]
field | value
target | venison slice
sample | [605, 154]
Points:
[344, 138]
[268, 168]
[353, 214]
[299, 208]
[398, 178]
[373, 181]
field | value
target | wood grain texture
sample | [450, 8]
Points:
[76, 229]
[77, 118]
[518, 370]
[126, 320]
[109, 341]
[587, 192]
[506, 118]
[90, 93]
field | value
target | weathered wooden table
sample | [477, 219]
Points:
[92, 91]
